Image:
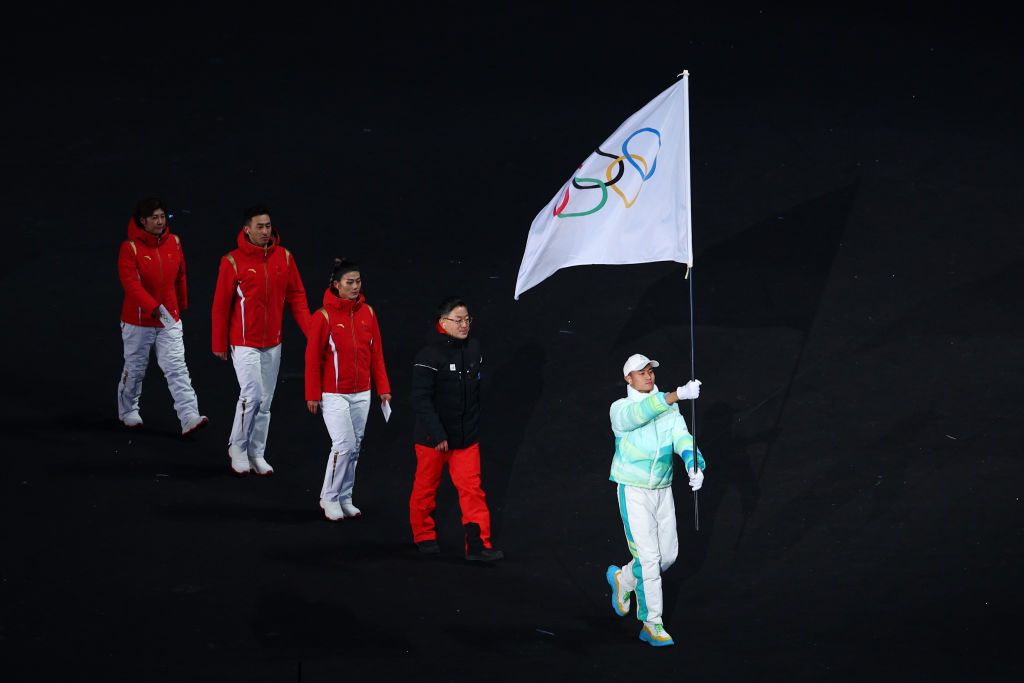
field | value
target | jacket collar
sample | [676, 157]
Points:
[634, 395]
[443, 337]
[250, 249]
[347, 306]
[137, 234]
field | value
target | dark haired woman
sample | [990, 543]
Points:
[446, 398]
[343, 353]
[151, 266]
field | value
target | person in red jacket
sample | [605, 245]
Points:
[343, 353]
[151, 266]
[253, 284]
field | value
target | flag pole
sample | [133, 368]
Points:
[689, 276]
[693, 405]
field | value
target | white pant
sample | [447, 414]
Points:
[170, 356]
[345, 417]
[257, 379]
[649, 519]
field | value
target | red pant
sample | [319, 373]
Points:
[464, 469]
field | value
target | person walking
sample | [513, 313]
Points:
[151, 267]
[344, 353]
[446, 399]
[254, 282]
[648, 429]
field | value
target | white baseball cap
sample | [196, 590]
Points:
[637, 361]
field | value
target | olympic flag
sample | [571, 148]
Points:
[629, 202]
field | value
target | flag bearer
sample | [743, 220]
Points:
[648, 430]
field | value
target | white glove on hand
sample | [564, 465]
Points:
[696, 479]
[689, 390]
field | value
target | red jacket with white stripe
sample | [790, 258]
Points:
[343, 349]
[152, 272]
[253, 284]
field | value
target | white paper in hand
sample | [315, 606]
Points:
[165, 317]
[385, 408]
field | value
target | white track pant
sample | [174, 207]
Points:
[256, 370]
[649, 519]
[345, 417]
[170, 356]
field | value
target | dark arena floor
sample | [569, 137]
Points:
[858, 332]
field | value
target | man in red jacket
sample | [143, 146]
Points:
[253, 284]
[151, 266]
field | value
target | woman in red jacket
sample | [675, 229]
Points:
[151, 266]
[343, 353]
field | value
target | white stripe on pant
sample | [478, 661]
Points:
[256, 370]
[649, 519]
[170, 356]
[345, 417]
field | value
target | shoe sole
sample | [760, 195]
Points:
[655, 643]
[609, 575]
[480, 558]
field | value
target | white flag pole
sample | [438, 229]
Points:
[689, 276]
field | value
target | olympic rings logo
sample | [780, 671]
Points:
[613, 174]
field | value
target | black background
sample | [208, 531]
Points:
[858, 262]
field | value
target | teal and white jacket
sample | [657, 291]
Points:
[647, 432]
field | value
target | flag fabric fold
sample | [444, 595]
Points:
[628, 202]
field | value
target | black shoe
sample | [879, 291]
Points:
[485, 555]
[475, 550]
[428, 547]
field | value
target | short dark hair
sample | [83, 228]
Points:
[449, 304]
[342, 266]
[145, 208]
[255, 210]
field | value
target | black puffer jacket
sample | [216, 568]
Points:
[446, 391]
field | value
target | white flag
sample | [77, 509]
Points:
[629, 202]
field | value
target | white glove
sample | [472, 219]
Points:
[689, 390]
[696, 479]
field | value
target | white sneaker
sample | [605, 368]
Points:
[239, 460]
[350, 510]
[262, 467]
[332, 510]
[194, 425]
[132, 420]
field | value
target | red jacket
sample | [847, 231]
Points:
[343, 349]
[253, 284]
[152, 272]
